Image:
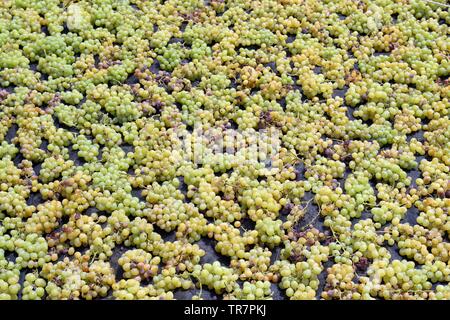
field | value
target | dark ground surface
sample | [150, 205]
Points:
[311, 218]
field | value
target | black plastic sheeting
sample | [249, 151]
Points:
[312, 216]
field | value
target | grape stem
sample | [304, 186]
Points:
[438, 3]
[313, 219]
